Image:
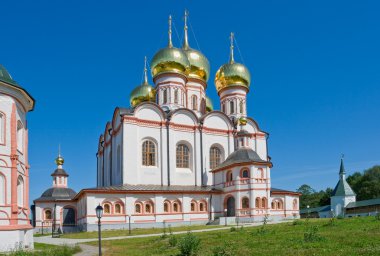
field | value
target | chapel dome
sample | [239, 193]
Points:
[232, 73]
[52, 194]
[169, 60]
[143, 92]
[199, 65]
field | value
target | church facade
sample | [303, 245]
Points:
[172, 158]
[15, 102]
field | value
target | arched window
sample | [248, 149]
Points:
[48, 215]
[20, 136]
[193, 206]
[202, 206]
[263, 202]
[166, 206]
[107, 209]
[2, 128]
[165, 96]
[232, 107]
[20, 191]
[2, 189]
[194, 102]
[245, 203]
[245, 174]
[176, 96]
[138, 208]
[203, 106]
[257, 202]
[229, 176]
[176, 206]
[273, 205]
[149, 153]
[224, 108]
[148, 207]
[183, 156]
[215, 157]
[241, 104]
[295, 204]
[118, 208]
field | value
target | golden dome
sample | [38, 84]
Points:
[209, 105]
[169, 59]
[143, 92]
[232, 74]
[59, 160]
[199, 65]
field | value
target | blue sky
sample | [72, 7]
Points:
[315, 69]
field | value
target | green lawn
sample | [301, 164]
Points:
[355, 236]
[141, 231]
[47, 250]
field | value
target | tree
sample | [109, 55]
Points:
[325, 196]
[366, 185]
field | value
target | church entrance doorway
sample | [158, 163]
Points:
[230, 206]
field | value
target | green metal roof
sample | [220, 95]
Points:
[369, 202]
[316, 209]
[343, 189]
[5, 76]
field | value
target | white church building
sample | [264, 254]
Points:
[15, 102]
[171, 158]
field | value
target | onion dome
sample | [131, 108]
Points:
[199, 65]
[169, 59]
[143, 92]
[209, 105]
[232, 73]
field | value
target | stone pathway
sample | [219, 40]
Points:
[88, 250]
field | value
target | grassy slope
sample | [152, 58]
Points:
[356, 236]
[112, 233]
[47, 250]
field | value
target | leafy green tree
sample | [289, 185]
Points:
[366, 185]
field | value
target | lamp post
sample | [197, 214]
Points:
[129, 224]
[332, 213]
[99, 214]
[225, 217]
[308, 211]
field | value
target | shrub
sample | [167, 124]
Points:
[311, 234]
[297, 222]
[223, 251]
[189, 245]
[172, 241]
[232, 229]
